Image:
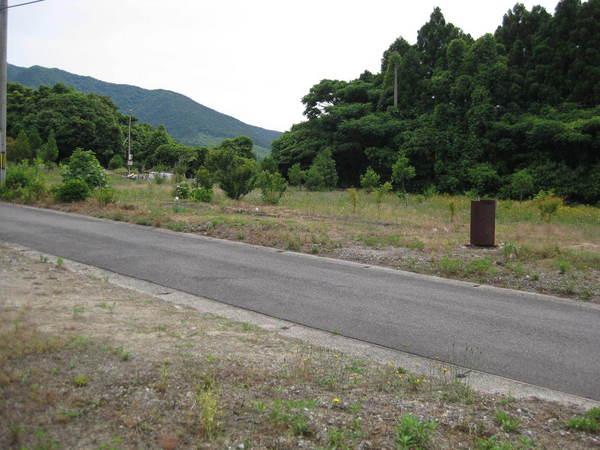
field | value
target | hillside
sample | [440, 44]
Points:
[188, 121]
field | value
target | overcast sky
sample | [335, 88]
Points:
[252, 59]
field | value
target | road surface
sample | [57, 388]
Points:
[545, 341]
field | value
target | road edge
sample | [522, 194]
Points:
[480, 381]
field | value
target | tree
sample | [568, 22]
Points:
[35, 141]
[241, 145]
[322, 173]
[369, 180]
[49, 151]
[522, 184]
[402, 171]
[84, 165]
[296, 175]
[21, 150]
[234, 173]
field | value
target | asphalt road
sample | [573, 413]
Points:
[549, 342]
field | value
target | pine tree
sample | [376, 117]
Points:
[49, 151]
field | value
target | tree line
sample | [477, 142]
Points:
[508, 114]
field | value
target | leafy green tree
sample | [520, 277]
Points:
[272, 186]
[234, 173]
[322, 173]
[21, 151]
[49, 151]
[241, 145]
[35, 141]
[84, 165]
[370, 180]
[269, 164]
[522, 184]
[484, 179]
[204, 178]
[296, 175]
[402, 171]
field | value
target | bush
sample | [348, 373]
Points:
[369, 180]
[182, 191]
[105, 196]
[272, 185]
[402, 171]
[296, 175]
[84, 166]
[548, 204]
[202, 194]
[24, 183]
[203, 178]
[116, 162]
[73, 190]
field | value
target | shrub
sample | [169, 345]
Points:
[105, 196]
[182, 191]
[369, 180]
[412, 433]
[49, 151]
[430, 191]
[84, 166]
[402, 171]
[296, 175]
[272, 186]
[234, 173]
[202, 194]
[23, 182]
[72, 190]
[548, 204]
[203, 178]
[116, 162]
[381, 192]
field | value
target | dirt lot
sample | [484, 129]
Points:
[86, 364]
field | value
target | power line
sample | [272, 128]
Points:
[22, 4]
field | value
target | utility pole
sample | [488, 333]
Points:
[129, 155]
[396, 85]
[3, 76]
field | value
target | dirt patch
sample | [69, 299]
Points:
[85, 364]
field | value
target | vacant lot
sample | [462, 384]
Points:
[85, 364]
[420, 234]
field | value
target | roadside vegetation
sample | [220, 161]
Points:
[85, 364]
[545, 245]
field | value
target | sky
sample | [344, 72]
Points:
[251, 59]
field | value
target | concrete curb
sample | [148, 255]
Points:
[480, 381]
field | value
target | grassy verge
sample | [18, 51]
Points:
[421, 234]
[85, 364]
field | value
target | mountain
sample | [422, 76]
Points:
[186, 120]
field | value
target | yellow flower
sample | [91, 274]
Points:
[336, 401]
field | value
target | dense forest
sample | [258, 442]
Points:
[64, 119]
[508, 114]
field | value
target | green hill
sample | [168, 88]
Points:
[186, 120]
